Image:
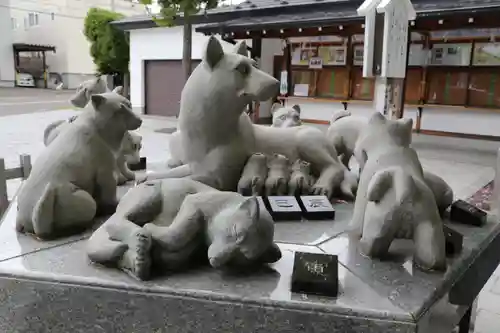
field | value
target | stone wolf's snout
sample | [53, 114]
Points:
[261, 86]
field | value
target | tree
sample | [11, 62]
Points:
[170, 9]
[109, 45]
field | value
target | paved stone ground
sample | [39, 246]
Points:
[467, 165]
[29, 100]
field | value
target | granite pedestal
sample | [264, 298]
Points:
[52, 287]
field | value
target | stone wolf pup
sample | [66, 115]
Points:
[346, 131]
[73, 178]
[215, 96]
[393, 199]
[285, 116]
[165, 223]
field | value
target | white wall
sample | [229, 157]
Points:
[158, 44]
[7, 75]
[270, 48]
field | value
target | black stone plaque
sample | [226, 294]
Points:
[284, 208]
[463, 212]
[138, 166]
[454, 240]
[315, 274]
[316, 207]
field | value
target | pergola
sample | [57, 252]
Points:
[23, 47]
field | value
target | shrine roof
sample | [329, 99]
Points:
[272, 13]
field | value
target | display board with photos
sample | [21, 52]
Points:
[486, 54]
[331, 55]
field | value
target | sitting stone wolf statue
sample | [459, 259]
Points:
[215, 96]
[393, 199]
[131, 145]
[73, 178]
[166, 223]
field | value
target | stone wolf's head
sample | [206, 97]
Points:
[243, 236]
[285, 116]
[113, 112]
[227, 80]
[88, 88]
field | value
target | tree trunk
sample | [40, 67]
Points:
[186, 54]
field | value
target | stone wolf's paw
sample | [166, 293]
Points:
[299, 185]
[174, 163]
[137, 259]
[322, 188]
[139, 179]
[277, 186]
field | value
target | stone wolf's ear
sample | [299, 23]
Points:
[98, 100]
[214, 52]
[275, 107]
[296, 107]
[241, 48]
[377, 118]
[253, 208]
[118, 90]
[401, 131]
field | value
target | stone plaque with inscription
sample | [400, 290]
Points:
[284, 208]
[454, 241]
[138, 166]
[463, 212]
[316, 207]
[315, 273]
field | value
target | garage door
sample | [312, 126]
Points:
[163, 86]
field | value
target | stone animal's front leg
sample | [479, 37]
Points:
[179, 172]
[184, 228]
[324, 159]
[62, 208]
[106, 192]
[378, 233]
[124, 173]
[137, 257]
[430, 249]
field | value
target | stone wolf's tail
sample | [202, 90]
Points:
[339, 114]
[49, 129]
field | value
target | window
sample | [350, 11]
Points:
[14, 23]
[33, 19]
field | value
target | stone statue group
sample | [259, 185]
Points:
[205, 206]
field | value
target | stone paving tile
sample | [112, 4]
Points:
[487, 322]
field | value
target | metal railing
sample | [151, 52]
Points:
[22, 171]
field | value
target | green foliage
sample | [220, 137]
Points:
[109, 46]
[171, 8]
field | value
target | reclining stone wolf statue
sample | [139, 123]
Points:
[73, 179]
[393, 198]
[166, 224]
[131, 145]
[217, 137]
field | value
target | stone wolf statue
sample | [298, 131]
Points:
[217, 137]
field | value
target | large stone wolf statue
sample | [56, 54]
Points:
[217, 137]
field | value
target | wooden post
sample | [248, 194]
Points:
[424, 87]
[4, 199]
[25, 163]
[255, 54]
[471, 61]
[288, 65]
[44, 64]
[349, 62]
